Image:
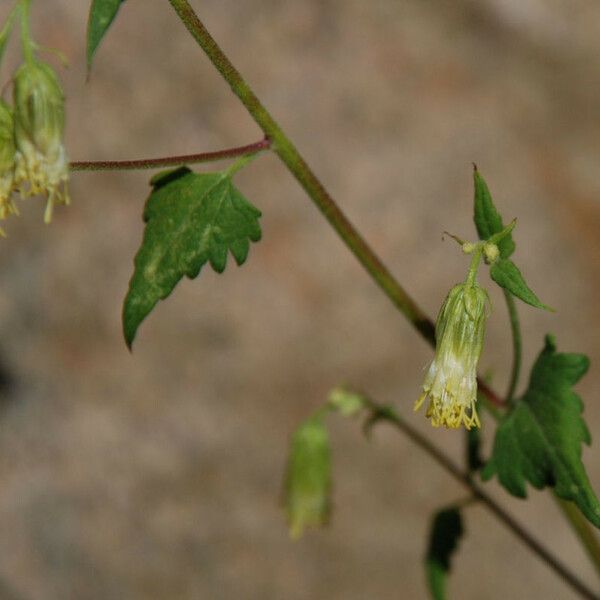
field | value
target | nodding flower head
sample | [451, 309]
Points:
[451, 381]
[7, 161]
[41, 161]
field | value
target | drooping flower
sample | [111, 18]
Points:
[41, 161]
[7, 162]
[307, 484]
[451, 381]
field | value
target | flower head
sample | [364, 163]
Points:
[41, 161]
[451, 381]
[7, 161]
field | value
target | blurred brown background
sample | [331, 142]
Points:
[157, 475]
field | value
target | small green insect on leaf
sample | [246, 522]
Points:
[487, 219]
[540, 439]
[506, 274]
[446, 531]
[102, 14]
[191, 218]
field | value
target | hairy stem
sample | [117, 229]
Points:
[517, 346]
[171, 161]
[382, 413]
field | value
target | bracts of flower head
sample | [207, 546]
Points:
[7, 162]
[451, 381]
[39, 114]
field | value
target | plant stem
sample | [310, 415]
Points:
[517, 346]
[473, 267]
[582, 529]
[171, 161]
[573, 515]
[290, 156]
[298, 167]
[463, 477]
[25, 32]
[6, 30]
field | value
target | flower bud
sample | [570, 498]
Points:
[7, 161]
[307, 484]
[39, 127]
[451, 381]
[491, 253]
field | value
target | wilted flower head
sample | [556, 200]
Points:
[451, 382]
[42, 166]
[7, 161]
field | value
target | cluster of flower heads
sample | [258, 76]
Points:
[32, 156]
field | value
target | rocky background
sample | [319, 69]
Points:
[156, 475]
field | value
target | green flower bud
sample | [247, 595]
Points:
[347, 403]
[307, 484]
[39, 126]
[451, 381]
[491, 253]
[7, 161]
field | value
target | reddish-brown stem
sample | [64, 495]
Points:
[171, 161]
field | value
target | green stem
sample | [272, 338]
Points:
[171, 161]
[298, 167]
[240, 163]
[573, 515]
[474, 266]
[5, 33]
[582, 529]
[517, 346]
[384, 413]
[290, 156]
[25, 32]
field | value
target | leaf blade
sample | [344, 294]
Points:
[507, 275]
[191, 219]
[101, 16]
[445, 533]
[487, 218]
[540, 441]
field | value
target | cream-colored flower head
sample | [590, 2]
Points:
[451, 381]
[41, 161]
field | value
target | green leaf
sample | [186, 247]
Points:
[446, 531]
[506, 274]
[487, 219]
[191, 218]
[540, 440]
[307, 483]
[102, 14]
[473, 449]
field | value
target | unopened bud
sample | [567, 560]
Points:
[491, 253]
[42, 166]
[307, 484]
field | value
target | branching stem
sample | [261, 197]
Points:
[383, 413]
[298, 167]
